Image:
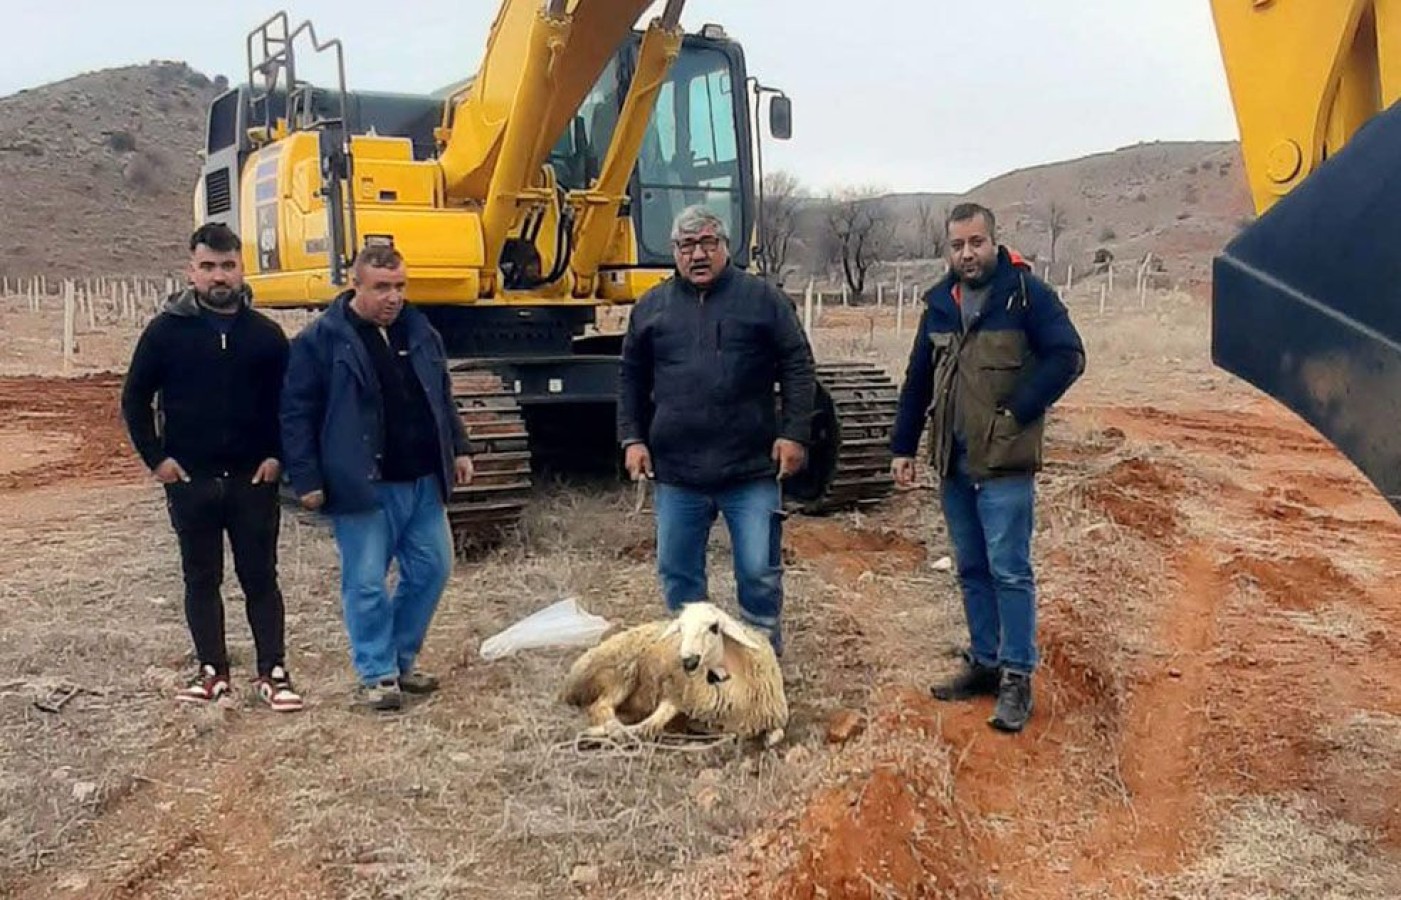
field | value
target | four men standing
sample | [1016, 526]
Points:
[363, 415]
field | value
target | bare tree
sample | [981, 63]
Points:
[860, 234]
[782, 197]
[1055, 224]
[929, 221]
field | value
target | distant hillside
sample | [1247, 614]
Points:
[1181, 201]
[97, 172]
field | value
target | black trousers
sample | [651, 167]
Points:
[201, 511]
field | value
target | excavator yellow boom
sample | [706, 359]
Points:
[523, 200]
[1304, 301]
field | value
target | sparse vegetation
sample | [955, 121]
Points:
[1171, 583]
[121, 141]
[147, 171]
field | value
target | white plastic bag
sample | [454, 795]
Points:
[562, 624]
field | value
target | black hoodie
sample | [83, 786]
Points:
[219, 389]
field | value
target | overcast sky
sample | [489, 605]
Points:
[900, 94]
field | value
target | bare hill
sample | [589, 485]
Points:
[1180, 201]
[96, 175]
[97, 171]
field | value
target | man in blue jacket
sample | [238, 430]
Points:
[372, 438]
[696, 412]
[994, 350]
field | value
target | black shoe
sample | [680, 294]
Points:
[976, 680]
[1013, 702]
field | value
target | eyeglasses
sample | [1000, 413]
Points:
[688, 246]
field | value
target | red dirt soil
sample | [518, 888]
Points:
[33, 411]
[1267, 613]
[1113, 780]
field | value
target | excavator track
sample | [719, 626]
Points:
[851, 440]
[482, 513]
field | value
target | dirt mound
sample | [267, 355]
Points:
[1140, 495]
[55, 429]
[1294, 582]
[847, 553]
[886, 826]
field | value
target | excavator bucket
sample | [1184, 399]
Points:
[1306, 302]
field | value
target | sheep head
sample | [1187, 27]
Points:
[703, 628]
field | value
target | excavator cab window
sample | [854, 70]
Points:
[695, 149]
[578, 157]
[691, 153]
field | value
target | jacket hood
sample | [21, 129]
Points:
[185, 303]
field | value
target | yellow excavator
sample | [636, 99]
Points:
[525, 200]
[541, 191]
[1306, 301]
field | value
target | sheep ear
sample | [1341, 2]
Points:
[738, 633]
[673, 628]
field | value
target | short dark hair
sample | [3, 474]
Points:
[378, 256]
[217, 237]
[965, 211]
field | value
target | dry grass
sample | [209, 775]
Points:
[476, 788]
[1285, 847]
[479, 790]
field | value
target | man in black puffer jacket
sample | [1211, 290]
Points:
[217, 366]
[696, 412]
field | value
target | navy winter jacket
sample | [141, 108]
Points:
[332, 409]
[698, 374]
[988, 386]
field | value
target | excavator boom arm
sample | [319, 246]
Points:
[1304, 300]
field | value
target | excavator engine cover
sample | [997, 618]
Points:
[1306, 302]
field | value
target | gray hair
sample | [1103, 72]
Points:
[693, 218]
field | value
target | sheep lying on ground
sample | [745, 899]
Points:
[703, 665]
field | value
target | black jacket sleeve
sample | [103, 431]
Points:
[635, 376]
[143, 380]
[797, 374]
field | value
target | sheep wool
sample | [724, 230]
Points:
[636, 682]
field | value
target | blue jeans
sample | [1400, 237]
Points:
[990, 524]
[684, 518]
[410, 526]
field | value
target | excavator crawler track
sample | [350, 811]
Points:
[851, 439]
[482, 513]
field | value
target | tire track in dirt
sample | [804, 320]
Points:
[193, 826]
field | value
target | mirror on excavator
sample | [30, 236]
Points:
[781, 117]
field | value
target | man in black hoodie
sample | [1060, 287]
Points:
[217, 366]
